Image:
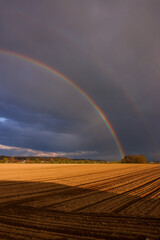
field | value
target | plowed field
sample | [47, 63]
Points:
[87, 201]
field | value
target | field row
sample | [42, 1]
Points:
[120, 201]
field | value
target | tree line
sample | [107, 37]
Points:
[63, 160]
[134, 159]
[54, 160]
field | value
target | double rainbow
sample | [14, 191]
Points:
[77, 88]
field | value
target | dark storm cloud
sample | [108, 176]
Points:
[108, 48]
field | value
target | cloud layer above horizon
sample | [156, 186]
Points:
[110, 49]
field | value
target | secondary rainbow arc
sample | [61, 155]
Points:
[103, 67]
[76, 87]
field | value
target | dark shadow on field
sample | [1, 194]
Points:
[36, 210]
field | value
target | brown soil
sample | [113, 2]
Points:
[90, 201]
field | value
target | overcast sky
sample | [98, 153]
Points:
[109, 48]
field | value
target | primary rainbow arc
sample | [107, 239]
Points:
[76, 87]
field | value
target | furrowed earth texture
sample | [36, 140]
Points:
[79, 201]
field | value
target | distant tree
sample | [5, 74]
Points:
[4, 160]
[13, 160]
[36, 160]
[134, 159]
[87, 161]
[28, 160]
[59, 160]
[80, 161]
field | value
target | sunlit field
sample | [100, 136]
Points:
[79, 201]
